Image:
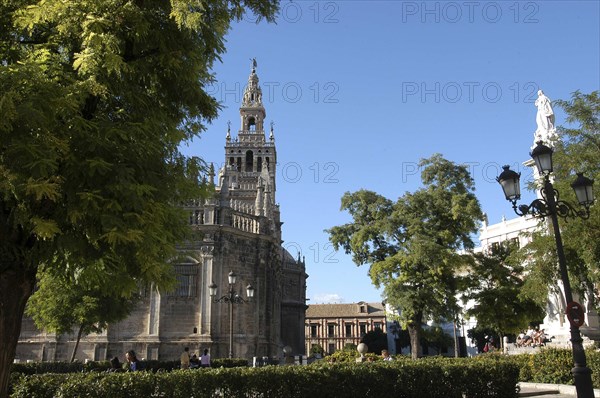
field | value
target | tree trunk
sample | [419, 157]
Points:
[79, 333]
[414, 331]
[16, 286]
[456, 349]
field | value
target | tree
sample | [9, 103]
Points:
[317, 349]
[495, 286]
[480, 336]
[576, 150]
[376, 340]
[96, 98]
[60, 304]
[412, 246]
[436, 337]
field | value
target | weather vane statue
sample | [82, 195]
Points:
[546, 131]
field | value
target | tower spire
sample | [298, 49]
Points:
[253, 92]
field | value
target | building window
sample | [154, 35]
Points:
[249, 161]
[331, 329]
[363, 329]
[377, 325]
[363, 309]
[186, 281]
[313, 330]
[348, 330]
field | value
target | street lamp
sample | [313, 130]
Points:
[230, 298]
[551, 205]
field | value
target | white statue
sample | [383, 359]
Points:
[545, 119]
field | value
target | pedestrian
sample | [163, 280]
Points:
[386, 355]
[489, 346]
[205, 359]
[115, 365]
[132, 361]
[185, 358]
[194, 362]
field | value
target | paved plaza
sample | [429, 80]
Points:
[550, 390]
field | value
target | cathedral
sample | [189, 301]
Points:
[237, 231]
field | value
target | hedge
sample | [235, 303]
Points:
[425, 378]
[553, 365]
[95, 366]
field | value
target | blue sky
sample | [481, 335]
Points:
[360, 91]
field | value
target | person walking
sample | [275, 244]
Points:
[185, 358]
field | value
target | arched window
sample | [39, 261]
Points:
[251, 124]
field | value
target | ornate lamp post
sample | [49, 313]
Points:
[230, 298]
[551, 206]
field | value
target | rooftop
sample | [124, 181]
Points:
[353, 310]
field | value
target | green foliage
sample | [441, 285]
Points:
[553, 365]
[55, 367]
[101, 366]
[577, 150]
[347, 356]
[436, 337]
[229, 363]
[60, 304]
[480, 335]
[495, 286]
[376, 340]
[403, 338]
[96, 98]
[412, 245]
[523, 361]
[350, 347]
[317, 349]
[428, 378]
[550, 365]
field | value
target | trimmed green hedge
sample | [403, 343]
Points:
[485, 375]
[425, 378]
[100, 366]
[553, 365]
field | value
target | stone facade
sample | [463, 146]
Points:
[237, 229]
[332, 326]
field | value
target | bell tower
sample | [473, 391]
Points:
[251, 152]
[252, 111]
[238, 229]
[248, 179]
